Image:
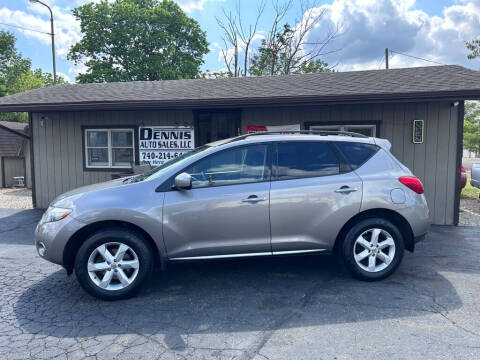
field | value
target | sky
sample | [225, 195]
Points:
[435, 30]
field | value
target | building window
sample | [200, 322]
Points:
[109, 148]
[368, 130]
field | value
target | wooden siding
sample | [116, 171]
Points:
[433, 161]
[58, 150]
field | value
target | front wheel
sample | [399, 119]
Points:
[113, 264]
[372, 249]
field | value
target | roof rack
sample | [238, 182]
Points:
[306, 132]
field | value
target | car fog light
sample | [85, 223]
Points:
[41, 249]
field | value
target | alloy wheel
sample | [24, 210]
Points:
[374, 250]
[113, 266]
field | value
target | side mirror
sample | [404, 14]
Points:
[183, 181]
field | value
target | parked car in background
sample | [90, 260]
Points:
[463, 174]
[253, 195]
[475, 180]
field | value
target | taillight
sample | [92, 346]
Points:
[412, 183]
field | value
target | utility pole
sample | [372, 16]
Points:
[386, 58]
[53, 38]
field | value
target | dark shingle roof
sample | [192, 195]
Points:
[449, 81]
[10, 143]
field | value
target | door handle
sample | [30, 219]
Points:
[254, 199]
[345, 190]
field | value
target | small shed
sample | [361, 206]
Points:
[88, 133]
[14, 154]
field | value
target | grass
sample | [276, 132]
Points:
[469, 191]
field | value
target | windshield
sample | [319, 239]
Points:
[160, 170]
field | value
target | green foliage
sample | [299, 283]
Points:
[471, 127]
[281, 56]
[12, 64]
[474, 47]
[16, 74]
[128, 40]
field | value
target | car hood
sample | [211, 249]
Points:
[89, 188]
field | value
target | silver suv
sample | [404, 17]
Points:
[253, 195]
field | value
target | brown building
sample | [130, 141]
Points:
[83, 134]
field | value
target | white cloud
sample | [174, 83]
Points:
[67, 30]
[191, 5]
[65, 76]
[371, 26]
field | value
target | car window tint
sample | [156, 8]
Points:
[240, 165]
[305, 159]
[357, 153]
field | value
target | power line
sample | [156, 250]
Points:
[416, 57]
[379, 62]
[24, 28]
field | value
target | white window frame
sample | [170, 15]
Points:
[334, 127]
[109, 147]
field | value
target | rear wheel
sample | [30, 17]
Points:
[113, 264]
[372, 249]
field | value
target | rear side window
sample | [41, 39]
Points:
[305, 159]
[357, 154]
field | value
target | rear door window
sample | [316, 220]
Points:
[356, 154]
[304, 159]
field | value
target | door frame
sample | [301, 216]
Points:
[198, 112]
[377, 124]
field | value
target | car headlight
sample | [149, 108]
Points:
[55, 214]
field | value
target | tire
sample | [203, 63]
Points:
[353, 244]
[111, 275]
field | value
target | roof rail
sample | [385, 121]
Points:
[306, 132]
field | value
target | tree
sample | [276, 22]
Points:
[474, 47]
[288, 49]
[471, 127]
[16, 74]
[237, 36]
[128, 40]
[12, 64]
[285, 49]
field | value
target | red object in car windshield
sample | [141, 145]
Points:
[412, 183]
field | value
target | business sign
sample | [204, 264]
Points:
[277, 128]
[418, 128]
[158, 144]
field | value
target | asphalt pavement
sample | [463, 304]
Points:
[304, 307]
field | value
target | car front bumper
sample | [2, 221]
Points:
[52, 237]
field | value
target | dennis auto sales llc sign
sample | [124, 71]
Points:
[158, 144]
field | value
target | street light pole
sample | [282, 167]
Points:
[53, 38]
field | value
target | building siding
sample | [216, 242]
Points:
[58, 148]
[433, 162]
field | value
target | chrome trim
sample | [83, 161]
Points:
[226, 256]
[221, 256]
[297, 251]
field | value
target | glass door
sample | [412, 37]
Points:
[216, 125]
